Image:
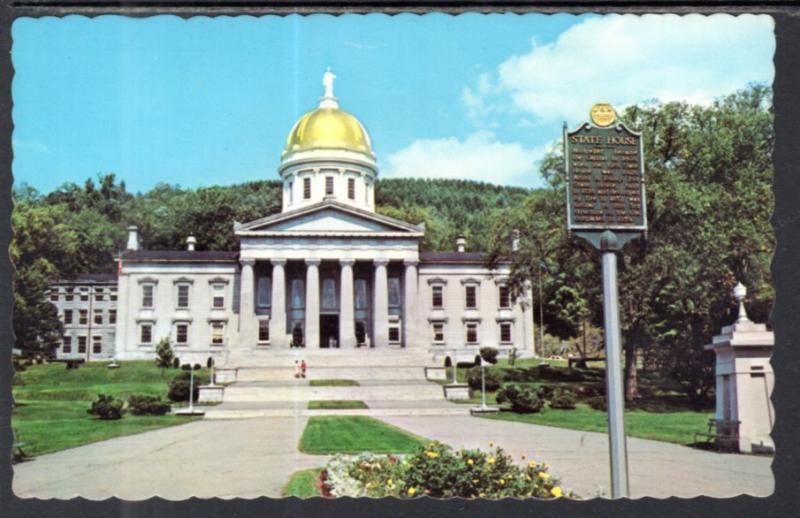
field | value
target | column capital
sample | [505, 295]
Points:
[380, 262]
[313, 261]
[247, 261]
[347, 262]
[411, 262]
[277, 262]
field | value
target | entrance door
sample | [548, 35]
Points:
[329, 331]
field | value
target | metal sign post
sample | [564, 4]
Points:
[606, 206]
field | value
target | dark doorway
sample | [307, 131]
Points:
[328, 331]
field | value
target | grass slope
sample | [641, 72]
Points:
[303, 484]
[333, 383]
[355, 434]
[51, 403]
[336, 404]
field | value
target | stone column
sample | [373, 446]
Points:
[381, 305]
[347, 325]
[277, 318]
[410, 335]
[247, 312]
[311, 335]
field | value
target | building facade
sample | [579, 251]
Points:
[325, 272]
[87, 305]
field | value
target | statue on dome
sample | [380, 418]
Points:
[327, 82]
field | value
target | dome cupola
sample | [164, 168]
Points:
[328, 155]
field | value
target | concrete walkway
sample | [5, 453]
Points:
[226, 459]
[580, 459]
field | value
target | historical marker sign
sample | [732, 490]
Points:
[605, 177]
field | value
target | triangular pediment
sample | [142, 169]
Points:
[328, 217]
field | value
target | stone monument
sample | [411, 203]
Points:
[744, 382]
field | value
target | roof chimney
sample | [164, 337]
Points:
[190, 242]
[515, 240]
[461, 244]
[133, 238]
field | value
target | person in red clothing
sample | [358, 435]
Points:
[303, 368]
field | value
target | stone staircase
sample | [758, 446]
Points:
[390, 382]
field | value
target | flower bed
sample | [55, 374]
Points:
[440, 472]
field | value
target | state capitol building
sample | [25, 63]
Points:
[325, 272]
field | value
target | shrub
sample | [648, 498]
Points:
[523, 399]
[106, 407]
[493, 379]
[186, 367]
[179, 387]
[140, 404]
[164, 354]
[489, 354]
[439, 472]
[210, 362]
[562, 399]
[197, 367]
[176, 362]
[598, 403]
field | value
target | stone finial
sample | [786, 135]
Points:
[515, 240]
[191, 241]
[133, 238]
[739, 293]
[461, 244]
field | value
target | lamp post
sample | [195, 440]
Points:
[483, 384]
[191, 388]
[542, 266]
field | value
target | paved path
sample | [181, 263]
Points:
[238, 458]
[656, 468]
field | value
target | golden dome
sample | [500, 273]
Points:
[328, 128]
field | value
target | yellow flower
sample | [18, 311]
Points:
[431, 454]
[389, 483]
[528, 477]
[543, 475]
[411, 491]
[490, 460]
[556, 492]
[475, 480]
[502, 482]
[481, 495]
[470, 462]
[532, 464]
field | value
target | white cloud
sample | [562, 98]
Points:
[479, 157]
[36, 146]
[627, 59]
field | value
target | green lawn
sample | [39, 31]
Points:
[336, 404]
[303, 483]
[675, 427]
[355, 434]
[333, 383]
[51, 403]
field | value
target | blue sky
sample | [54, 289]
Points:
[211, 100]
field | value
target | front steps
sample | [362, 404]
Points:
[369, 390]
[316, 372]
[250, 410]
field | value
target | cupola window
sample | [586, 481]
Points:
[306, 188]
[351, 188]
[329, 185]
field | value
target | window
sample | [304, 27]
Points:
[472, 333]
[329, 185]
[81, 344]
[438, 298]
[394, 292]
[438, 332]
[98, 295]
[182, 334]
[362, 301]
[97, 344]
[217, 333]
[66, 345]
[98, 316]
[54, 295]
[505, 332]
[183, 295]
[112, 316]
[84, 294]
[67, 316]
[505, 301]
[306, 188]
[394, 332]
[298, 286]
[218, 296]
[291, 191]
[471, 297]
[83, 317]
[329, 300]
[146, 333]
[351, 188]
[68, 296]
[147, 295]
[263, 331]
[264, 292]
[366, 193]
[113, 295]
